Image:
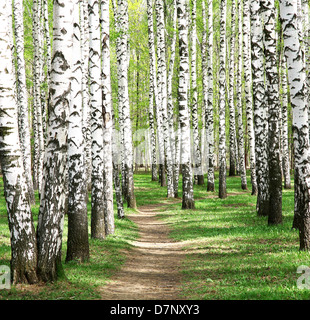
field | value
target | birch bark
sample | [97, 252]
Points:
[296, 78]
[52, 205]
[22, 232]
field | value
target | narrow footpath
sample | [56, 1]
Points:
[152, 268]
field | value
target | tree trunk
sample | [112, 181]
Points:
[152, 98]
[209, 112]
[273, 104]
[107, 118]
[22, 97]
[52, 206]
[97, 189]
[198, 175]
[296, 78]
[248, 91]
[242, 166]
[232, 121]
[260, 110]
[284, 100]
[78, 247]
[187, 183]
[222, 103]
[123, 99]
[23, 240]
[162, 84]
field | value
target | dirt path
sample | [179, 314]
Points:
[151, 271]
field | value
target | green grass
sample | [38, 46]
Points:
[231, 253]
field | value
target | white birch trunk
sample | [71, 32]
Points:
[232, 118]
[296, 79]
[22, 96]
[123, 98]
[187, 183]
[78, 246]
[198, 175]
[239, 101]
[248, 91]
[107, 118]
[53, 200]
[22, 233]
[152, 80]
[273, 104]
[209, 112]
[97, 193]
[162, 83]
[260, 109]
[222, 103]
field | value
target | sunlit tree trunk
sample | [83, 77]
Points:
[260, 109]
[232, 120]
[187, 183]
[22, 96]
[248, 90]
[222, 103]
[162, 84]
[52, 205]
[37, 107]
[152, 98]
[107, 118]
[97, 193]
[285, 148]
[77, 245]
[209, 111]
[22, 232]
[123, 98]
[296, 79]
[242, 168]
[170, 104]
[198, 175]
[85, 89]
[273, 104]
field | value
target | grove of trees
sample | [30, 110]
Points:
[92, 89]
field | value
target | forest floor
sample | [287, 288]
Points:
[153, 267]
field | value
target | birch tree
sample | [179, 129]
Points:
[97, 195]
[222, 103]
[296, 77]
[78, 246]
[209, 111]
[198, 175]
[22, 232]
[232, 120]
[37, 109]
[260, 109]
[187, 183]
[248, 90]
[284, 101]
[123, 98]
[170, 105]
[162, 85]
[52, 205]
[22, 96]
[152, 88]
[240, 139]
[273, 103]
[107, 118]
